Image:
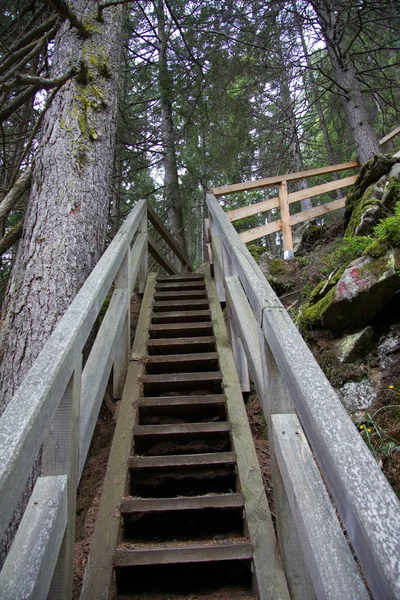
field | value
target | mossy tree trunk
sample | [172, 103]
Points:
[66, 215]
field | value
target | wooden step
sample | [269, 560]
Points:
[176, 409]
[184, 345]
[181, 316]
[174, 363]
[180, 285]
[171, 382]
[182, 519]
[181, 305]
[181, 330]
[182, 475]
[179, 295]
[181, 462]
[181, 277]
[140, 505]
[182, 438]
[180, 429]
[188, 553]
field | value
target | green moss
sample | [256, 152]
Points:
[275, 267]
[311, 316]
[256, 251]
[388, 230]
[377, 267]
[376, 249]
[312, 312]
[367, 201]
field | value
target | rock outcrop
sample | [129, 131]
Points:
[374, 191]
[354, 295]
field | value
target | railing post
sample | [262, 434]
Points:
[122, 281]
[239, 354]
[218, 263]
[276, 400]
[285, 221]
[144, 265]
[60, 456]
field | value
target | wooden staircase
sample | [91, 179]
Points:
[177, 513]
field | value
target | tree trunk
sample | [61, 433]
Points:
[66, 217]
[172, 192]
[315, 96]
[292, 128]
[333, 29]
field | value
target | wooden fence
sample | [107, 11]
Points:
[284, 199]
[306, 419]
[57, 405]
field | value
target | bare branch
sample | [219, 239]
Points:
[15, 193]
[28, 57]
[10, 238]
[38, 82]
[64, 9]
[34, 34]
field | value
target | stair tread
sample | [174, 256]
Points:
[179, 303]
[185, 314]
[134, 505]
[154, 401]
[181, 460]
[196, 284]
[237, 549]
[181, 277]
[181, 294]
[167, 358]
[204, 339]
[179, 326]
[182, 377]
[181, 428]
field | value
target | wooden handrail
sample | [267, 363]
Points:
[367, 504]
[268, 181]
[389, 136]
[260, 207]
[57, 396]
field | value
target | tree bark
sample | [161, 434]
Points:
[66, 217]
[332, 24]
[172, 192]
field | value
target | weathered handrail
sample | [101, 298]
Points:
[288, 378]
[58, 405]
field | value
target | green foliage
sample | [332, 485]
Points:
[388, 230]
[344, 251]
[275, 267]
[256, 251]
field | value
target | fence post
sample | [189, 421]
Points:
[276, 400]
[60, 456]
[122, 281]
[144, 265]
[285, 221]
[218, 263]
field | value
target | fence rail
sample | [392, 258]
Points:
[56, 408]
[284, 199]
[289, 381]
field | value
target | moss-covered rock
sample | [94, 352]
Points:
[354, 295]
[365, 201]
